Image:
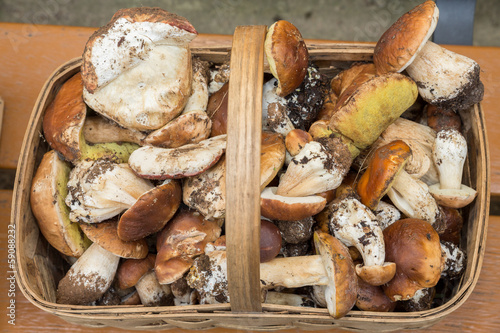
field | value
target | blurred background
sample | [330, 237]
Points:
[356, 20]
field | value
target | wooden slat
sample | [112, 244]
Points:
[243, 159]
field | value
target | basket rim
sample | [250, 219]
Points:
[224, 309]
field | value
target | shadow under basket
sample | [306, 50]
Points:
[40, 267]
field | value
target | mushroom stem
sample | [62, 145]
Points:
[450, 152]
[441, 72]
[293, 272]
[412, 197]
[151, 292]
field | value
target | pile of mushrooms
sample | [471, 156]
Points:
[360, 202]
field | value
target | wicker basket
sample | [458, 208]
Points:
[39, 266]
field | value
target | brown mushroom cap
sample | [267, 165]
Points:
[384, 166]
[399, 44]
[272, 157]
[105, 234]
[63, 123]
[217, 110]
[130, 271]
[180, 241]
[342, 290]
[295, 140]
[414, 246]
[151, 211]
[373, 298]
[277, 207]
[287, 55]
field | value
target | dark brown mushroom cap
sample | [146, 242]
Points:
[287, 55]
[414, 246]
[150, 212]
[373, 298]
[131, 271]
[105, 234]
[217, 110]
[398, 44]
[385, 164]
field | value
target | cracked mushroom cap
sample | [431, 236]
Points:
[384, 166]
[278, 207]
[180, 242]
[63, 127]
[151, 212]
[137, 69]
[342, 289]
[48, 192]
[105, 234]
[399, 45]
[414, 246]
[287, 56]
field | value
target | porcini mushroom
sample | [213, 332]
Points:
[89, 277]
[63, 124]
[137, 69]
[355, 225]
[101, 189]
[287, 56]
[385, 175]
[97, 129]
[278, 207]
[206, 192]
[444, 78]
[272, 157]
[140, 274]
[414, 246]
[313, 170]
[180, 242]
[332, 267]
[48, 192]
[449, 153]
[185, 161]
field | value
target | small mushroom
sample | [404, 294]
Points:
[139, 273]
[332, 267]
[445, 79]
[185, 161]
[48, 192]
[454, 260]
[89, 277]
[182, 239]
[373, 298]
[287, 56]
[413, 245]
[355, 225]
[449, 153]
[272, 157]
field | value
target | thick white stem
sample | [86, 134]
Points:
[293, 272]
[449, 153]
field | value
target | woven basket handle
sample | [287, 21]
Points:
[244, 128]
